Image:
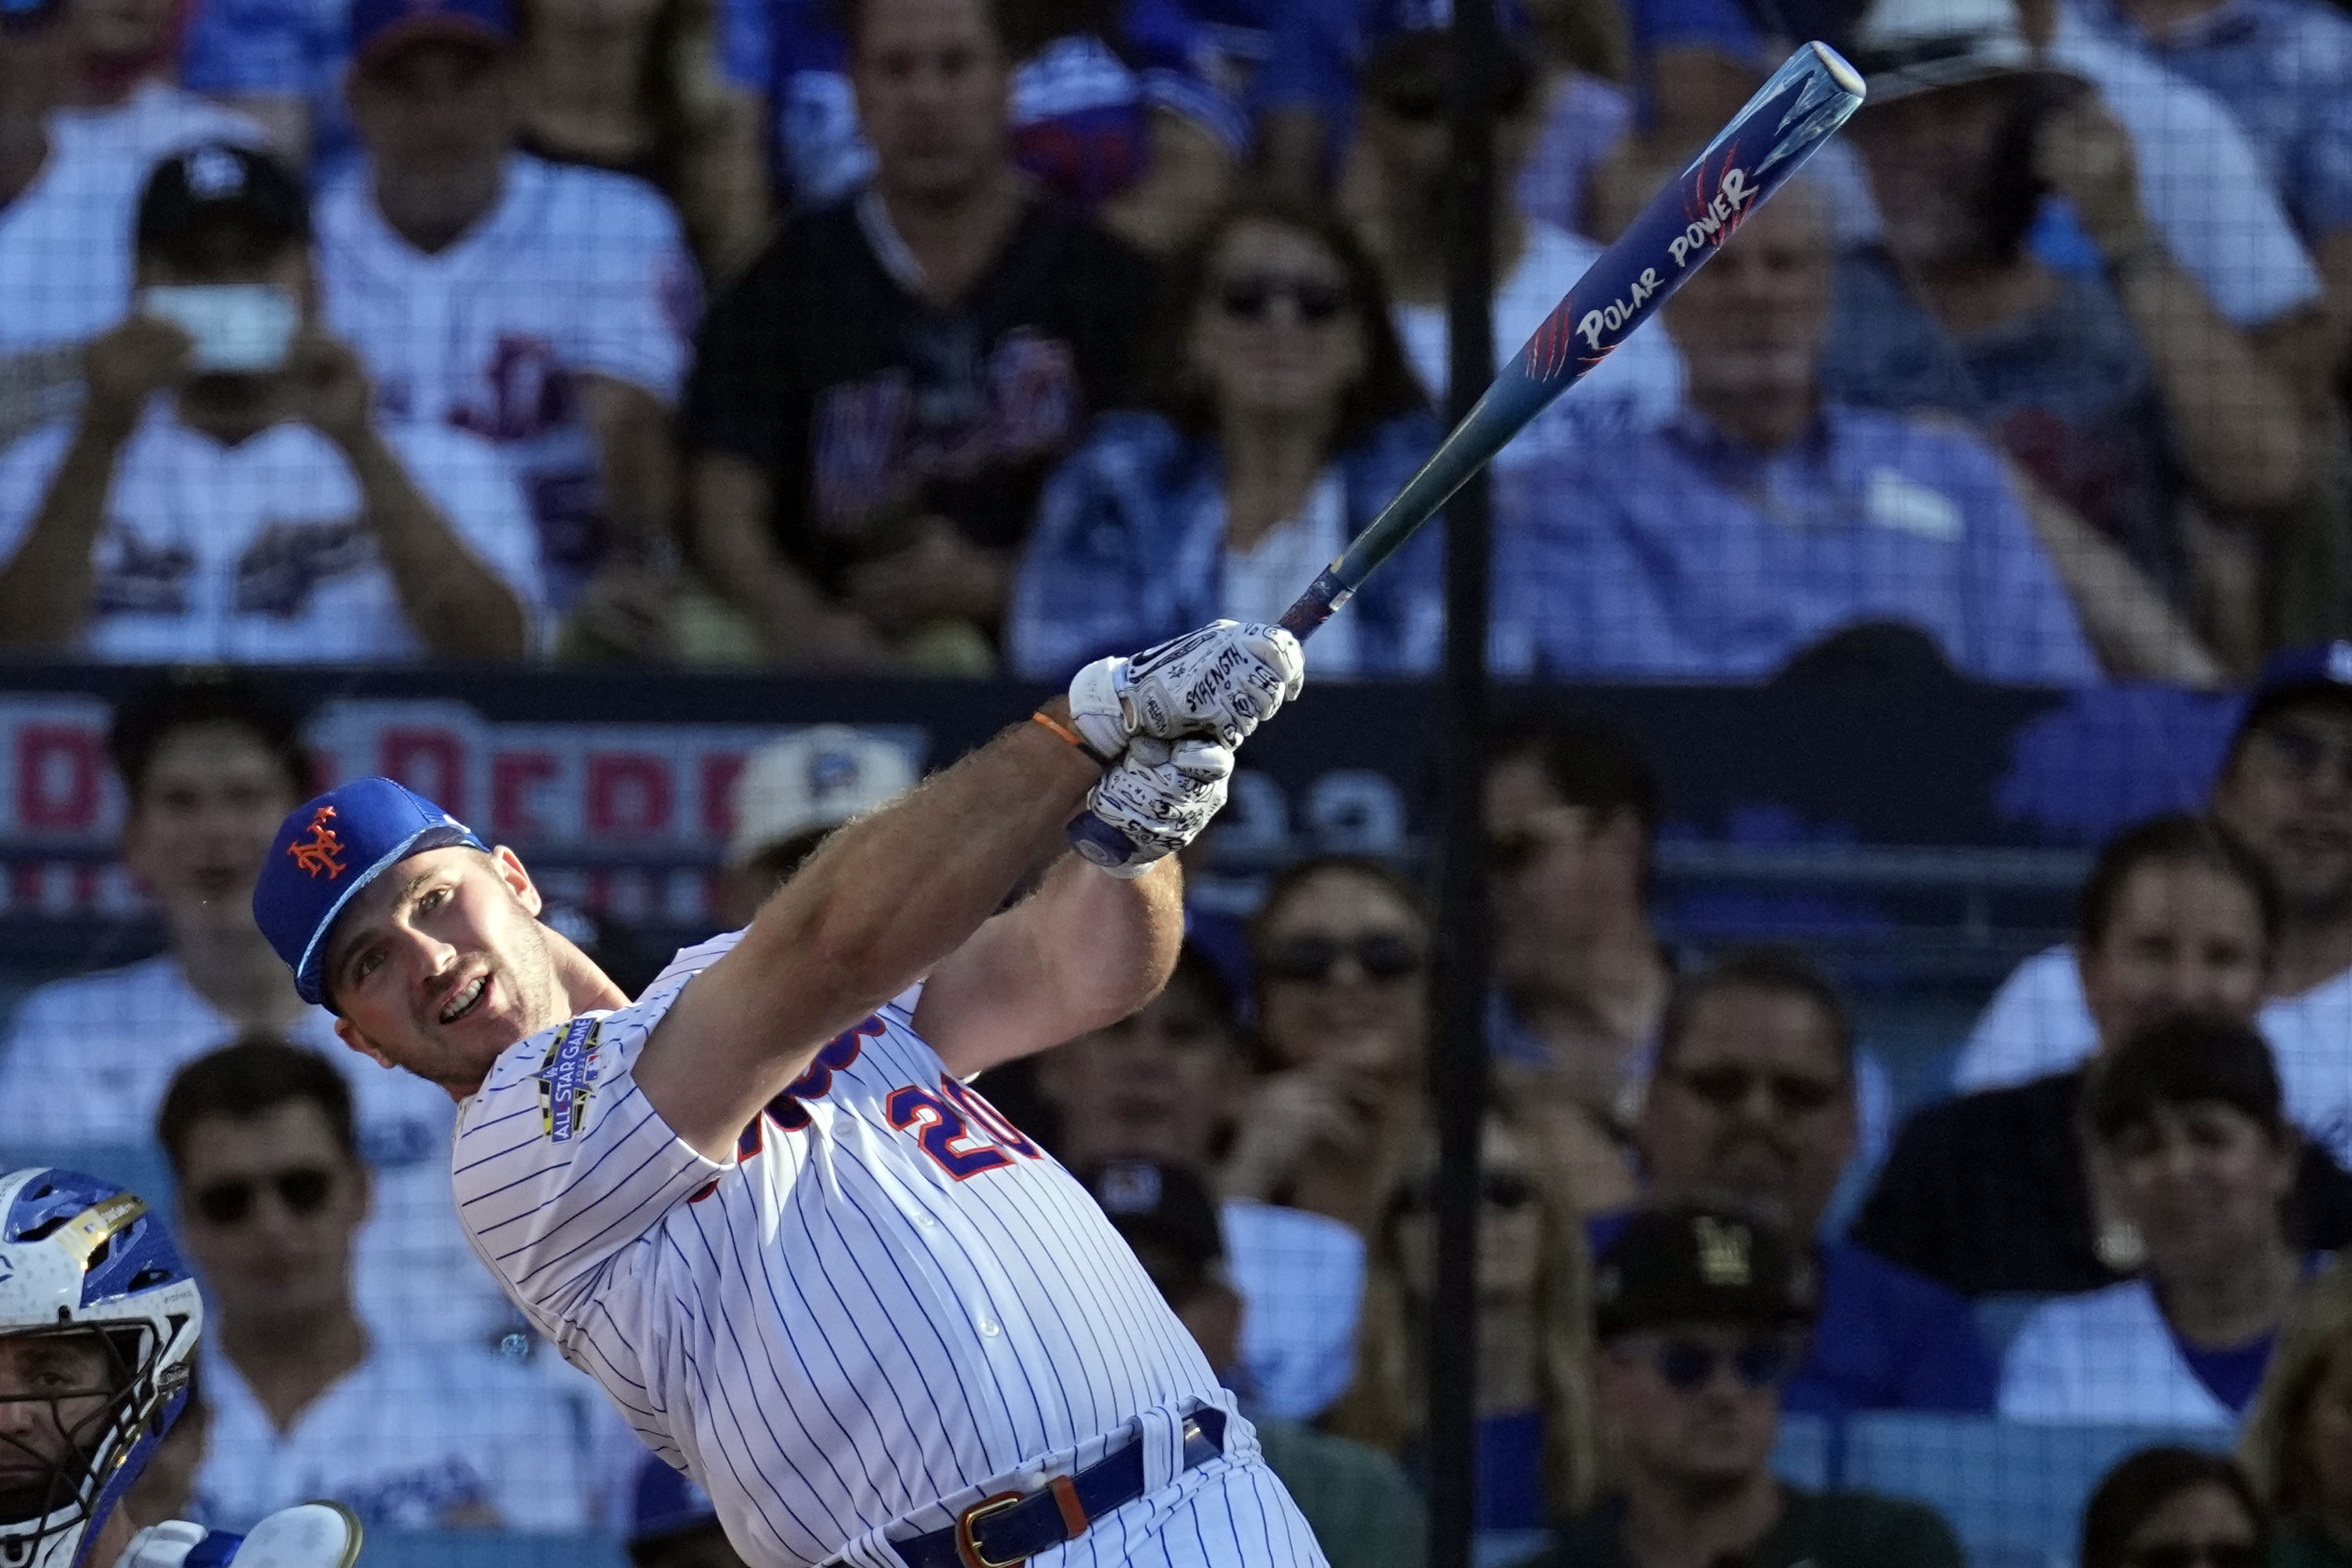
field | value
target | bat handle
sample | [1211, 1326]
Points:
[1096, 840]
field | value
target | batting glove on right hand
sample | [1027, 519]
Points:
[1161, 796]
[1223, 680]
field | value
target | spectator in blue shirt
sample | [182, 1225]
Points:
[1284, 420]
[2122, 395]
[1751, 1105]
[1766, 516]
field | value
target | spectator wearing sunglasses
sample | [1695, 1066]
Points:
[1752, 1106]
[1161, 1086]
[1338, 951]
[2193, 1153]
[2176, 1508]
[1535, 1454]
[1283, 419]
[1698, 1318]
[308, 1402]
[2298, 1448]
[1996, 1192]
[2285, 791]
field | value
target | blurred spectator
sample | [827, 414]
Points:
[2171, 1506]
[877, 403]
[2298, 1436]
[2191, 1150]
[1751, 1106]
[1571, 814]
[1697, 1317]
[1535, 1454]
[2122, 393]
[119, 91]
[306, 1402]
[209, 766]
[789, 795]
[2285, 792]
[1162, 1087]
[166, 1487]
[1763, 517]
[226, 492]
[634, 88]
[672, 1523]
[1402, 139]
[1995, 1192]
[543, 308]
[1286, 419]
[1358, 1501]
[1339, 952]
[1119, 106]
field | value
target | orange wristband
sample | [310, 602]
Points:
[1063, 731]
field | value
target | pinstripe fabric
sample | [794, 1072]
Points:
[888, 1306]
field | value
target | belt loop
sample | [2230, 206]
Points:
[1074, 1512]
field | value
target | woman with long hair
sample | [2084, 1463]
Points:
[1283, 417]
[2174, 1508]
[2298, 1439]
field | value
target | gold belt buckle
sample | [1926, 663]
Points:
[967, 1522]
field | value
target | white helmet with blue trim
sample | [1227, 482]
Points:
[99, 1321]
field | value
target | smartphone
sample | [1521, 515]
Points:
[239, 327]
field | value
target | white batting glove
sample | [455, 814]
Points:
[1161, 795]
[1223, 680]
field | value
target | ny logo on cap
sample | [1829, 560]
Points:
[1722, 1252]
[316, 853]
[1130, 1189]
[214, 172]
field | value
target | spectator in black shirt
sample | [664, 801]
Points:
[879, 399]
[1991, 1193]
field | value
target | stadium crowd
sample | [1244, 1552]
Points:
[960, 338]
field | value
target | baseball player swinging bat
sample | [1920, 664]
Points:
[1813, 93]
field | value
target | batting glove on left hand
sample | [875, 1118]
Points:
[1161, 796]
[1223, 680]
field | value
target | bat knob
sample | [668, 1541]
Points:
[1097, 841]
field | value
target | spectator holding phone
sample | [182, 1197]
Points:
[227, 493]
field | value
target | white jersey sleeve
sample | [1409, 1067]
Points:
[638, 294]
[476, 490]
[2036, 1024]
[561, 1164]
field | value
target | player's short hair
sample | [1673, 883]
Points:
[2176, 839]
[252, 1077]
[1588, 761]
[2186, 1060]
[151, 714]
[1775, 969]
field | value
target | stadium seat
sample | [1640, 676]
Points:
[2012, 1490]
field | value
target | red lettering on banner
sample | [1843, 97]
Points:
[629, 793]
[431, 761]
[59, 772]
[512, 774]
[719, 771]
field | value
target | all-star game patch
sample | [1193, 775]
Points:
[565, 1079]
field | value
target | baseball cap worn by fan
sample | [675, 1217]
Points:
[813, 782]
[2316, 669]
[1677, 1267]
[218, 187]
[327, 851]
[1907, 47]
[381, 26]
[1166, 1215]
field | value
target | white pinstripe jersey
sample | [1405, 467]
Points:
[887, 1305]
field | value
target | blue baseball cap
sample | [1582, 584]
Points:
[379, 27]
[2315, 668]
[326, 851]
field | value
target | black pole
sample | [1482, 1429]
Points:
[1458, 1080]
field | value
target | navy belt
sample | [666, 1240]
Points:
[1013, 1527]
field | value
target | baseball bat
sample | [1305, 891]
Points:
[1812, 93]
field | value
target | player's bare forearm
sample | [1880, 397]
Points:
[880, 907]
[1085, 951]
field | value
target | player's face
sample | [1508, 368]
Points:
[1342, 978]
[269, 1206]
[932, 85]
[1714, 1431]
[1926, 155]
[441, 964]
[434, 109]
[2203, 1183]
[1752, 321]
[2184, 938]
[2287, 796]
[203, 820]
[53, 1388]
[1156, 1086]
[1754, 1107]
[1560, 876]
[1276, 333]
